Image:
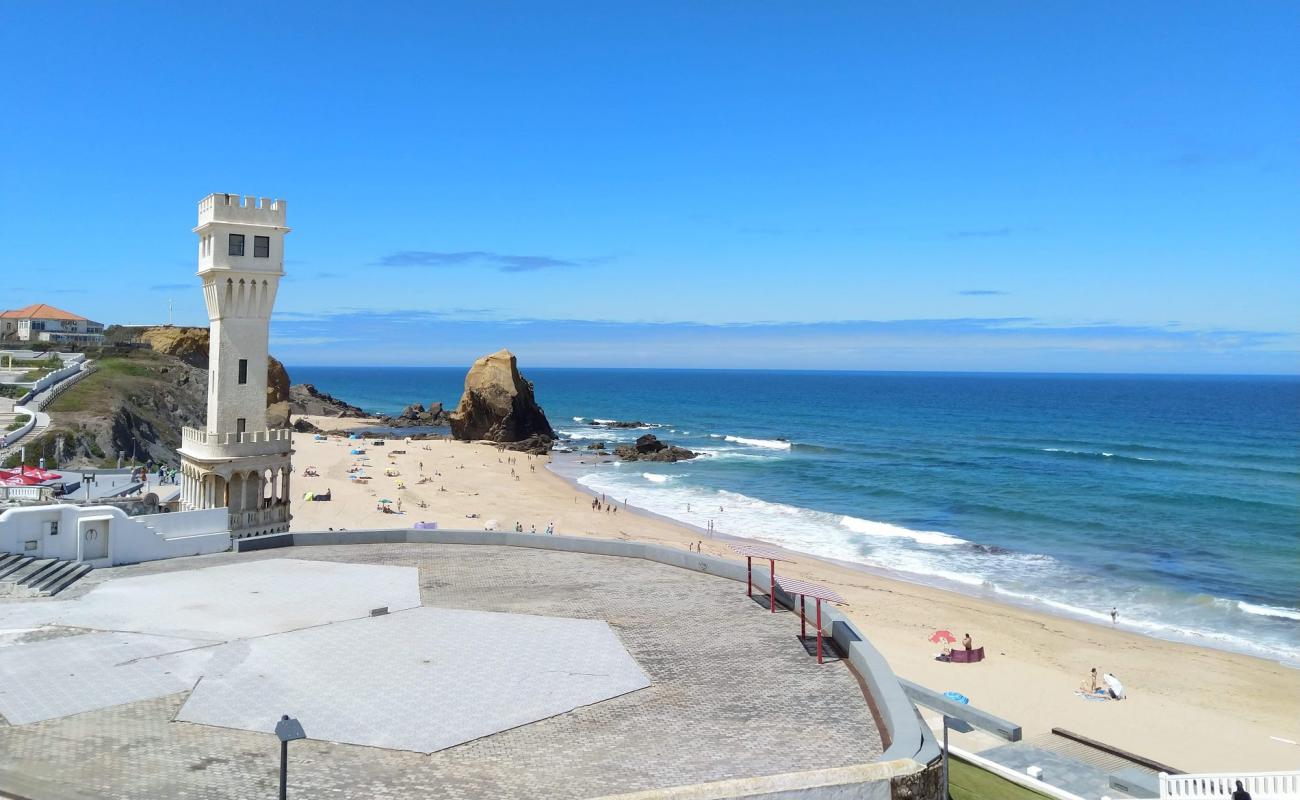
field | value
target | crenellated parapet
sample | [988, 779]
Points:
[248, 210]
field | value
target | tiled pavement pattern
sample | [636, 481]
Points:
[72, 674]
[434, 689]
[240, 600]
[733, 694]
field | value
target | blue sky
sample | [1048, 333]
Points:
[1050, 186]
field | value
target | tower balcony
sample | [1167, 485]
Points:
[204, 446]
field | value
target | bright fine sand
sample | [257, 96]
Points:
[1197, 709]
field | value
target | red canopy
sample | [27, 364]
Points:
[14, 479]
[29, 475]
[40, 474]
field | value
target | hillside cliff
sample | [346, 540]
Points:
[138, 401]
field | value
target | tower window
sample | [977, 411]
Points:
[261, 247]
[236, 244]
[243, 370]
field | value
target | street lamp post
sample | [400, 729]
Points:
[288, 730]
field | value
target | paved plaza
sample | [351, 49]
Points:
[528, 673]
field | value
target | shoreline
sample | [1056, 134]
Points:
[1031, 603]
[1036, 659]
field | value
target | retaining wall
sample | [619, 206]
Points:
[906, 737]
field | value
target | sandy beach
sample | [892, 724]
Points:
[1197, 709]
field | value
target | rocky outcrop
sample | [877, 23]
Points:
[498, 404]
[621, 424]
[416, 415]
[307, 399]
[649, 448]
[538, 444]
[138, 402]
[190, 345]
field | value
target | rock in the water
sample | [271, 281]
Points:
[620, 424]
[596, 446]
[649, 448]
[498, 404]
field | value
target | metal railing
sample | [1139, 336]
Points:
[1221, 785]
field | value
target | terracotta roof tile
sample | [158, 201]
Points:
[41, 311]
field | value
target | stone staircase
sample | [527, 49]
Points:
[26, 576]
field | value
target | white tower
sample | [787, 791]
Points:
[237, 462]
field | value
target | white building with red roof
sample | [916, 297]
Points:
[40, 322]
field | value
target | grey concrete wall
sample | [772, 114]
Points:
[909, 737]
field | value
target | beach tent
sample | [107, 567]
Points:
[356, 452]
[1116, 688]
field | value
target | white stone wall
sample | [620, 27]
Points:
[130, 540]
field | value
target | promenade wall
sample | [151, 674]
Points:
[909, 766]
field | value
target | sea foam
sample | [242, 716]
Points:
[773, 444]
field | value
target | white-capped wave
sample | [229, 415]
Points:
[715, 436]
[1268, 611]
[578, 419]
[711, 453]
[600, 421]
[774, 444]
[655, 478]
[872, 528]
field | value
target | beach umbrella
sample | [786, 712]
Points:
[1115, 686]
[39, 474]
[957, 697]
[942, 636]
[17, 480]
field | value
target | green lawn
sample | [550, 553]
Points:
[19, 421]
[969, 782]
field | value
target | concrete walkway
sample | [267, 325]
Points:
[33, 407]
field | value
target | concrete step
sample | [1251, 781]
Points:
[35, 571]
[70, 577]
[12, 564]
[52, 576]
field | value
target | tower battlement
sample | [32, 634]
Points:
[249, 210]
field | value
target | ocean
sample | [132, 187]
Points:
[1175, 499]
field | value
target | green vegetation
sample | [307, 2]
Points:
[11, 391]
[969, 782]
[44, 446]
[33, 375]
[19, 421]
[116, 377]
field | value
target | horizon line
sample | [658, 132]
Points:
[1293, 375]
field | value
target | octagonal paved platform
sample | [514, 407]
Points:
[732, 693]
[417, 680]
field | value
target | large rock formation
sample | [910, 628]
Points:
[649, 448]
[498, 403]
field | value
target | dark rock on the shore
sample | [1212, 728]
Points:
[596, 446]
[416, 415]
[303, 426]
[537, 444]
[649, 448]
[307, 399]
[498, 404]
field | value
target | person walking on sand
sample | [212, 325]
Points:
[1114, 615]
[1241, 793]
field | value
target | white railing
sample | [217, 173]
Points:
[240, 520]
[1221, 785]
[26, 492]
